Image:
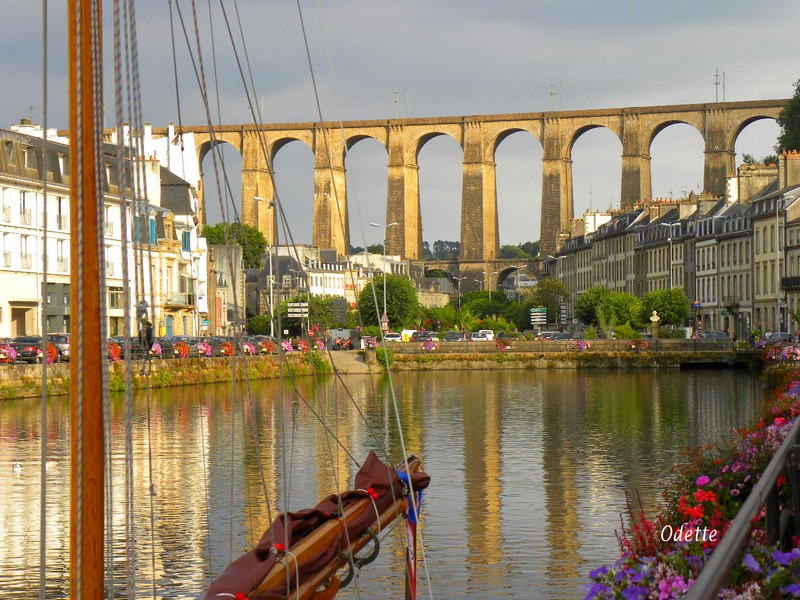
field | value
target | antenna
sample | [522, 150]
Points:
[559, 91]
[31, 109]
[716, 85]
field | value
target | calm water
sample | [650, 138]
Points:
[529, 473]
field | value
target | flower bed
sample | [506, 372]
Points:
[7, 354]
[662, 557]
[638, 345]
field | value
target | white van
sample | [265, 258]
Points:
[488, 333]
[407, 333]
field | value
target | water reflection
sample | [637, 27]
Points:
[530, 471]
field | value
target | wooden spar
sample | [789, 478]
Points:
[87, 447]
[309, 547]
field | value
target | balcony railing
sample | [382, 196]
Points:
[26, 261]
[26, 217]
[6, 259]
[62, 264]
[179, 299]
[109, 229]
[6, 214]
[730, 301]
[62, 221]
[109, 268]
[790, 283]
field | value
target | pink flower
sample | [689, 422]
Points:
[702, 480]
[734, 492]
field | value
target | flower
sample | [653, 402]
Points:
[204, 348]
[156, 349]
[751, 564]
[430, 346]
[114, 351]
[286, 345]
[226, 348]
[248, 349]
[266, 346]
[52, 353]
[302, 346]
[638, 345]
[702, 480]
[7, 353]
[183, 349]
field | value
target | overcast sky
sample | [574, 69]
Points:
[377, 59]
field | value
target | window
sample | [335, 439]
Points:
[115, 297]
[186, 241]
[152, 231]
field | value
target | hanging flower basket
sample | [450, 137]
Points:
[579, 345]
[266, 347]
[226, 348]
[114, 351]
[204, 348]
[286, 345]
[248, 349]
[430, 346]
[638, 345]
[156, 349]
[7, 354]
[302, 346]
[502, 345]
[183, 349]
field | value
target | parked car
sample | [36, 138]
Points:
[453, 336]
[477, 336]
[561, 335]
[503, 335]
[391, 336]
[424, 336]
[136, 349]
[61, 342]
[167, 348]
[722, 335]
[29, 348]
[488, 333]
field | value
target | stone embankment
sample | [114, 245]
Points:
[19, 381]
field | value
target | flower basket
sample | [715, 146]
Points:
[579, 345]
[502, 345]
[156, 350]
[204, 349]
[114, 351]
[638, 345]
[302, 346]
[266, 347]
[286, 346]
[226, 348]
[183, 349]
[430, 346]
[52, 353]
[248, 349]
[7, 354]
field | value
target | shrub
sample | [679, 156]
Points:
[590, 333]
[626, 332]
[385, 357]
[316, 359]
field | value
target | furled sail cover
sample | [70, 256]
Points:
[246, 573]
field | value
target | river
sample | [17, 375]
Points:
[529, 470]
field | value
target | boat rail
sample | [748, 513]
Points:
[764, 494]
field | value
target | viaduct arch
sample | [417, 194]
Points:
[719, 124]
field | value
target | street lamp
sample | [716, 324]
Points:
[493, 273]
[458, 281]
[385, 319]
[519, 269]
[270, 204]
[671, 258]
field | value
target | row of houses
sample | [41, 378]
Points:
[154, 250]
[737, 258]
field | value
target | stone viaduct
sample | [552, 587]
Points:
[719, 124]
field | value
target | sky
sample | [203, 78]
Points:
[374, 59]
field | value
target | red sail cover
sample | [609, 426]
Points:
[246, 573]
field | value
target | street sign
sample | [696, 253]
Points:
[695, 304]
[298, 310]
[538, 315]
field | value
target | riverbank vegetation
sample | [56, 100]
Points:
[662, 556]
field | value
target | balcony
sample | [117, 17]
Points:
[62, 264]
[730, 301]
[62, 222]
[790, 283]
[6, 259]
[26, 261]
[26, 217]
[179, 300]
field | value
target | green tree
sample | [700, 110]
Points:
[248, 237]
[588, 301]
[672, 306]
[789, 122]
[548, 293]
[402, 306]
[626, 308]
[259, 325]
[514, 252]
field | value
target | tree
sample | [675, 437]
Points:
[248, 237]
[588, 301]
[789, 122]
[672, 306]
[548, 293]
[514, 252]
[626, 308]
[402, 306]
[259, 325]
[443, 250]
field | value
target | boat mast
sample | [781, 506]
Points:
[86, 389]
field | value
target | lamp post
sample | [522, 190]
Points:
[488, 286]
[562, 309]
[519, 269]
[458, 281]
[778, 320]
[669, 239]
[385, 318]
[270, 204]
